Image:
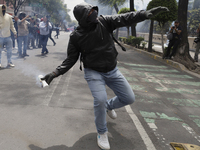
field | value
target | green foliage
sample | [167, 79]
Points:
[132, 40]
[112, 2]
[164, 17]
[57, 9]
[194, 20]
[144, 44]
[124, 10]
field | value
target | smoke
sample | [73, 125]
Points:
[29, 70]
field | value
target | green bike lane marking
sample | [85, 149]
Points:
[125, 71]
[141, 65]
[154, 70]
[150, 118]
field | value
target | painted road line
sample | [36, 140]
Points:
[149, 144]
[64, 89]
[165, 75]
[191, 131]
[51, 92]
[154, 70]
[141, 65]
[180, 90]
[175, 82]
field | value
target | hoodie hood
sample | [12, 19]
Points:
[1, 14]
[81, 12]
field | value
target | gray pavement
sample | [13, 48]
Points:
[60, 117]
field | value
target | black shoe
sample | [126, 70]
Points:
[46, 52]
[54, 44]
[25, 55]
[21, 56]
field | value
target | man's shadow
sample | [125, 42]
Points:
[89, 142]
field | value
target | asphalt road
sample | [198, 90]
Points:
[60, 117]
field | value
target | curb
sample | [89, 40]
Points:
[166, 61]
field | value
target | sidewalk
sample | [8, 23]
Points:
[158, 48]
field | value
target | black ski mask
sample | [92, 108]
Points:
[92, 18]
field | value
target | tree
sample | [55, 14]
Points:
[17, 4]
[182, 55]
[133, 30]
[194, 21]
[122, 11]
[164, 17]
[115, 4]
[112, 3]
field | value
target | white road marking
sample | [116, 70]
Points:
[149, 144]
[64, 91]
[152, 79]
[192, 132]
[51, 92]
[152, 126]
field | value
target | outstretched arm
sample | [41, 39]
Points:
[127, 19]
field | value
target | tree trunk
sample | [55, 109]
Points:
[133, 30]
[182, 55]
[117, 30]
[128, 31]
[150, 36]
[162, 30]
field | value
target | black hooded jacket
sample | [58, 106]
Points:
[95, 43]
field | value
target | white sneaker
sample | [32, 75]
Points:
[0, 65]
[102, 141]
[112, 114]
[11, 64]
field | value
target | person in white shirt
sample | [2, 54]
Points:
[45, 27]
[6, 24]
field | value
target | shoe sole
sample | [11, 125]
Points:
[102, 148]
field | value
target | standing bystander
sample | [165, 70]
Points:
[23, 33]
[176, 30]
[6, 24]
[198, 45]
[45, 27]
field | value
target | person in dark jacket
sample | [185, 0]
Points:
[176, 30]
[93, 40]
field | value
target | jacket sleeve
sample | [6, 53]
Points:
[126, 19]
[12, 28]
[72, 57]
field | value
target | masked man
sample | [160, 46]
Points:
[6, 24]
[93, 40]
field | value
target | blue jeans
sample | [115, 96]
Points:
[8, 42]
[23, 39]
[44, 39]
[120, 86]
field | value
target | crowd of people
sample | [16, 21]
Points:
[27, 31]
